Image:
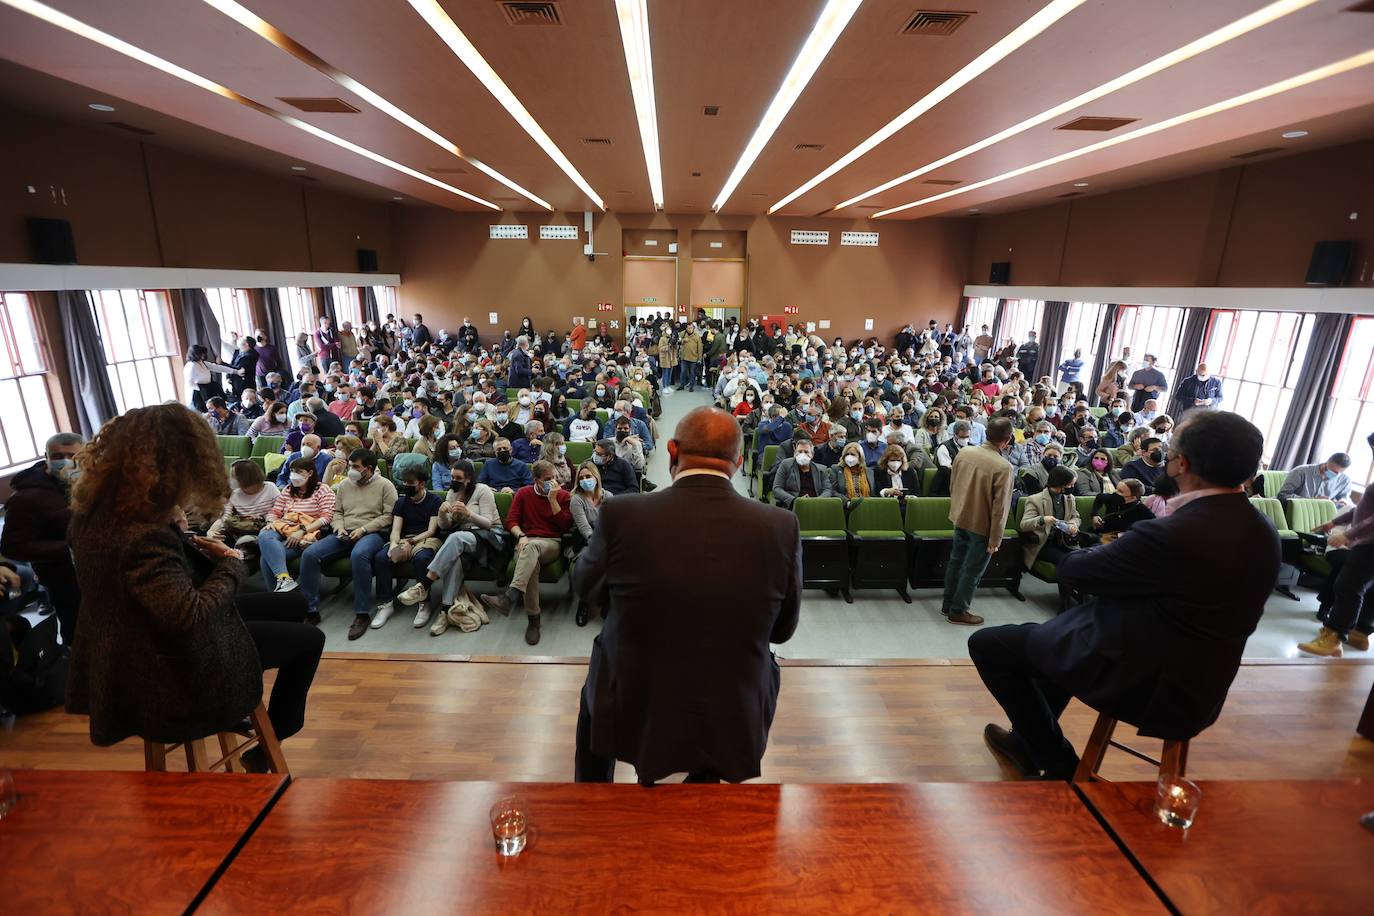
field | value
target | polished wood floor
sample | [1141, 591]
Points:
[409, 719]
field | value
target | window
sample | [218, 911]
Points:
[26, 413]
[348, 305]
[979, 311]
[1153, 329]
[1352, 404]
[1081, 331]
[136, 330]
[1258, 357]
[234, 312]
[297, 315]
[1019, 318]
[386, 301]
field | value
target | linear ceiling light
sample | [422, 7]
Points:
[1207, 42]
[251, 21]
[824, 33]
[1295, 82]
[634, 35]
[1046, 17]
[438, 20]
[77, 27]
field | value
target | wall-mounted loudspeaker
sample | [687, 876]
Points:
[51, 242]
[1330, 261]
[1000, 275]
[367, 260]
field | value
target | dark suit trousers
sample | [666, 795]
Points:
[589, 766]
[59, 578]
[285, 642]
[1032, 703]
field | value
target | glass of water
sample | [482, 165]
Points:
[8, 796]
[1177, 801]
[509, 824]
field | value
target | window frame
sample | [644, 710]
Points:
[1243, 391]
[17, 373]
[1351, 440]
[155, 360]
[297, 302]
[241, 305]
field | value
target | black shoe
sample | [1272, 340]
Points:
[581, 618]
[1287, 592]
[1007, 747]
[313, 618]
[255, 760]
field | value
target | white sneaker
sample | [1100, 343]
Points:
[416, 594]
[248, 540]
[384, 612]
[421, 616]
[286, 584]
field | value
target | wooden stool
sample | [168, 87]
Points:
[231, 746]
[1173, 760]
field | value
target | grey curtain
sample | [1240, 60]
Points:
[95, 400]
[276, 330]
[1103, 359]
[202, 327]
[370, 306]
[997, 324]
[1189, 352]
[1054, 318]
[1311, 404]
[327, 304]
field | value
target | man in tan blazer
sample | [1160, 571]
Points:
[980, 497]
[1042, 536]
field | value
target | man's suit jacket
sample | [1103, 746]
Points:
[681, 676]
[519, 375]
[1176, 599]
[1034, 531]
[787, 481]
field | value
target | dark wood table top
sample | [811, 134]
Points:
[122, 842]
[1255, 847]
[372, 846]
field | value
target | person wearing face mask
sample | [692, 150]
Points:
[1032, 478]
[1049, 525]
[1096, 475]
[468, 341]
[800, 475]
[897, 426]
[893, 476]
[273, 421]
[446, 451]
[506, 474]
[312, 451]
[1149, 467]
[1115, 511]
[538, 518]
[828, 455]
[251, 497]
[853, 479]
[527, 449]
[414, 539]
[932, 431]
[305, 426]
[223, 420]
[250, 405]
[961, 436]
[980, 499]
[617, 476]
[1087, 445]
[1132, 448]
[1327, 480]
[691, 357]
[1147, 383]
[299, 516]
[624, 410]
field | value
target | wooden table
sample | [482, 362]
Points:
[131, 842]
[372, 846]
[1255, 847]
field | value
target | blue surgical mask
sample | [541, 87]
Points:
[587, 484]
[1042, 438]
[58, 465]
[1329, 474]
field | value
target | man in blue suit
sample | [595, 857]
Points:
[1176, 599]
[519, 375]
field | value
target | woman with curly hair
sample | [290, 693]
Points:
[163, 648]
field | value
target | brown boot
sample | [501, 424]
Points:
[1327, 644]
[1357, 641]
[532, 631]
[965, 618]
[497, 602]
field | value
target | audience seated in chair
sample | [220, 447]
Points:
[538, 518]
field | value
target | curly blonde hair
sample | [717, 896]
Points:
[151, 459]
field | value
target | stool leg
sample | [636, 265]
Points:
[267, 738]
[154, 757]
[1095, 750]
[196, 761]
[227, 744]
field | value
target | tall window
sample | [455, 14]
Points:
[1352, 407]
[386, 301]
[1258, 356]
[234, 312]
[1080, 333]
[1154, 329]
[348, 305]
[297, 315]
[1020, 317]
[26, 413]
[981, 310]
[136, 329]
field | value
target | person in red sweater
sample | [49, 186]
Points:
[538, 518]
[579, 334]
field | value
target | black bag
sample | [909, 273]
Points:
[33, 666]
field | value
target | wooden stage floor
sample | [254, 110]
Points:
[513, 721]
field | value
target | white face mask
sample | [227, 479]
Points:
[803, 459]
[872, 438]
[307, 451]
[298, 479]
[524, 401]
[894, 466]
[851, 460]
[355, 475]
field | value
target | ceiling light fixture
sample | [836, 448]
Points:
[101, 106]
[1080, 184]
[974, 210]
[104, 39]
[832, 21]
[1242, 26]
[249, 20]
[634, 35]
[1050, 14]
[1294, 134]
[1345, 65]
[298, 168]
[434, 15]
[398, 198]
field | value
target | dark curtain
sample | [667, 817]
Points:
[1189, 352]
[276, 330]
[327, 304]
[1054, 318]
[370, 306]
[202, 327]
[1103, 359]
[1311, 404]
[95, 400]
[997, 324]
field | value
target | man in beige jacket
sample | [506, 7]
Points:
[980, 496]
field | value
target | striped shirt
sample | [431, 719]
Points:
[318, 505]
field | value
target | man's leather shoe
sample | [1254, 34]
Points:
[532, 631]
[581, 618]
[965, 618]
[359, 626]
[1006, 746]
[1287, 592]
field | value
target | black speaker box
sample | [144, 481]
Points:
[367, 260]
[1330, 261]
[51, 242]
[1000, 274]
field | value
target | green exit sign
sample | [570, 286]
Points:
[649, 299]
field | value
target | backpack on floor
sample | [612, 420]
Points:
[33, 666]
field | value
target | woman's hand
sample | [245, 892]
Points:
[9, 578]
[217, 549]
[294, 540]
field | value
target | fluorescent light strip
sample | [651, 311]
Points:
[1242, 26]
[1295, 82]
[251, 21]
[77, 27]
[824, 33]
[634, 35]
[975, 68]
[438, 20]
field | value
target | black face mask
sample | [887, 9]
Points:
[1156, 456]
[1050, 462]
[503, 456]
[621, 435]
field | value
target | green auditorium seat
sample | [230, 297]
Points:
[229, 463]
[1273, 509]
[1097, 413]
[579, 452]
[1273, 482]
[235, 446]
[927, 478]
[574, 406]
[268, 445]
[825, 544]
[1303, 515]
[932, 533]
[881, 556]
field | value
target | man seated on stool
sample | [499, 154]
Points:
[800, 476]
[1159, 651]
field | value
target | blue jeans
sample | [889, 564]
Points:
[667, 376]
[330, 548]
[385, 570]
[968, 557]
[274, 554]
[690, 373]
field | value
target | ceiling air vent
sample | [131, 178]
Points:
[809, 147]
[933, 22]
[1071, 194]
[531, 12]
[1091, 123]
[130, 128]
[943, 181]
[711, 111]
[596, 141]
[329, 106]
[1256, 153]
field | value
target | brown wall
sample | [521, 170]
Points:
[137, 204]
[1252, 225]
[451, 269]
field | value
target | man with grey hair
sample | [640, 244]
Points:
[36, 519]
[519, 375]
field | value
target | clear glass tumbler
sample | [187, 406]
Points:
[509, 823]
[1177, 801]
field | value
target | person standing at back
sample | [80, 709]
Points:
[681, 676]
[37, 516]
[980, 497]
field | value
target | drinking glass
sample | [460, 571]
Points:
[8, 796]
[1177, 801]
[509, 822]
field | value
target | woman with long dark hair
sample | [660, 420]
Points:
[200, 377]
